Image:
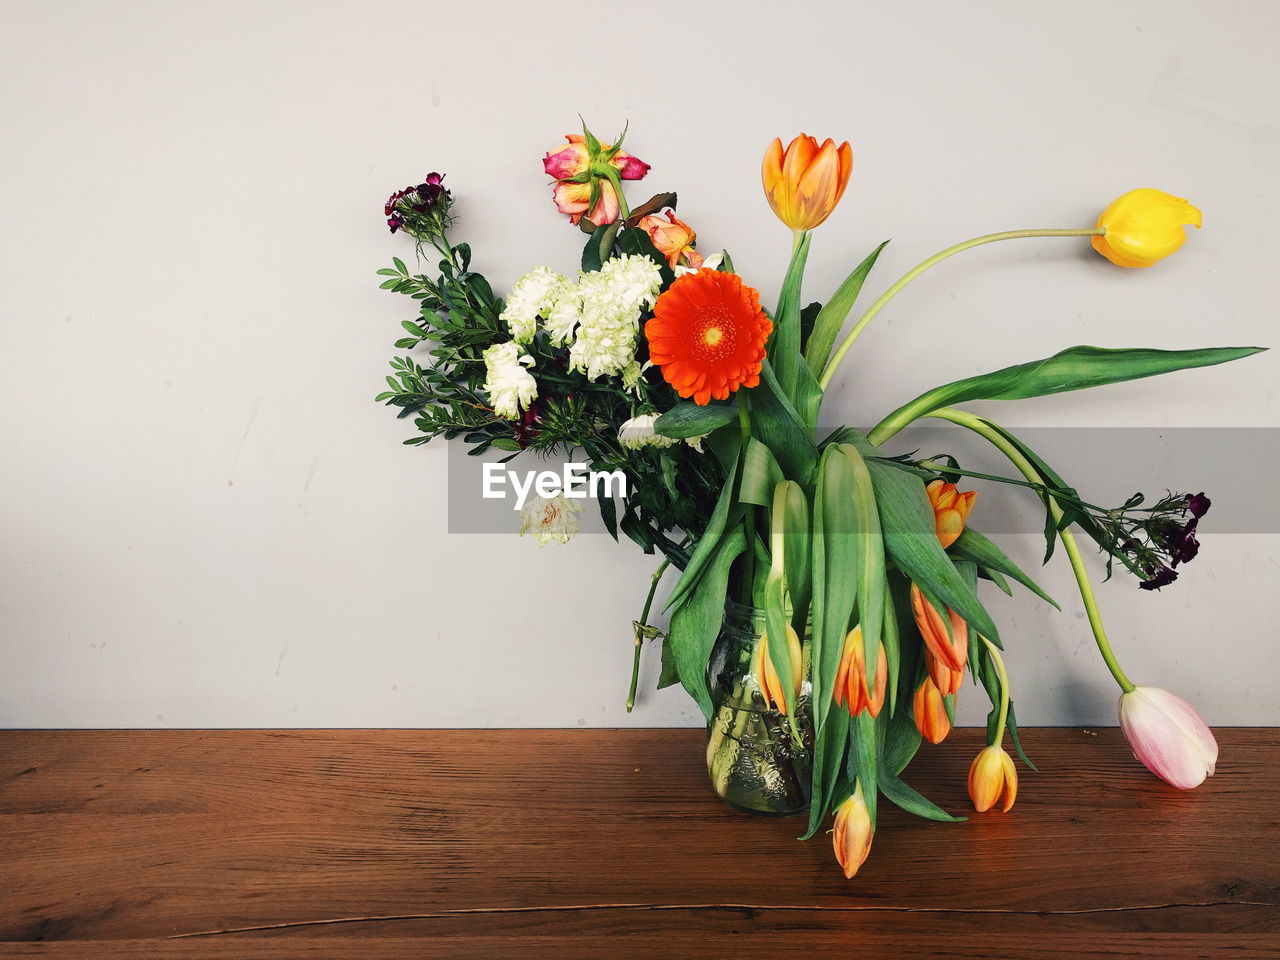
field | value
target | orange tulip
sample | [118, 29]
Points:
[673, 238]
[770, 684]
[804, 182]
[951, 650]
[930, 712]
[950, 510]
[852, 835]
[947, 681]
[991, 774]
[851, 678]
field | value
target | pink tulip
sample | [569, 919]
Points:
[1168, 736]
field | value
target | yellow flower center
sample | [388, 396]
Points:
[712, 336]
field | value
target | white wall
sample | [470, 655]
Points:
[206, 521]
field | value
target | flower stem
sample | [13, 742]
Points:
[830, 370]
[639, 631]
[1004, 690]
[749, 510]
[1028, 470]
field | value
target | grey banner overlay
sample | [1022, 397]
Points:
[1237, 467]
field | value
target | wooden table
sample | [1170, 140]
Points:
[608, 844]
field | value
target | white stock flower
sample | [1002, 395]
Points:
[612, 299]
[550, 518]
[696, 442]
[639, 432]
[509, 384]
[531, 297]
[562, 319]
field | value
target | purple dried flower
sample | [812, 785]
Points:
[1161, 578]
[1199, 505]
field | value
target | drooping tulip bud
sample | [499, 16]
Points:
[948, 681]
[673, 238]
[767, 676]
[950, 648]
[804, 182]
[1168, 736]
[991, 774]
[851, 677]
[930, 712]
[1144, 226]
[852, 835]
[950, 510]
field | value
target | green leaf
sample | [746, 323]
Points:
[708, 541]
[760, 474]
[971, 545]
[831, 318]
[693, 420]
[777, 424]
[696, 624]
[869, 544]
[910, 800]
[902, 740]
[797, 551]
[828, 763]
[835, 573]
[907, 521]
[864, 763]
[1076, 368]
[784, 345]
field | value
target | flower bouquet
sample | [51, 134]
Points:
[826, 610]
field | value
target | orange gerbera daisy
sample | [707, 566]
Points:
[708, 335]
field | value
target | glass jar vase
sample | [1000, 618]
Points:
[756, 762]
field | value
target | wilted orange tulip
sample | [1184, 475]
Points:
[851, 677]
[991, 774]
[1144, 226]
[930, 712]
[767, 676]
[804, 182]
[953, 650]
[947, 681]
[852, 834]
[950, 510]
[674, 238]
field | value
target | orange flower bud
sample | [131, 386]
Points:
[947, 681]
[950, 510]
[804, 182]
[991, 774]
[930, 712]
[851, 677]
[673, 238]
[953, 650]
[852, 835]
[767, 676]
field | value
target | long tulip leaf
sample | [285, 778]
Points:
[869, 544]
[784, 346]
[695, 625]
[907, 521]
[832, 316]
[911, 800]
[760, 474]
[828, 764]
[1076, 368]
[777, 424]
[835, 573]
[725, 510]
[971, 545]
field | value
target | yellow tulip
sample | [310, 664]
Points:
[767, 677]
[1144, 226]
[991, 774]
[852, 834]
[804, 182]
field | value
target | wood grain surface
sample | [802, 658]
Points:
[608, 843]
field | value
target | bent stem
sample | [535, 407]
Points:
[1004, 690]
[830, 370]
[983, 429]
[640, 626]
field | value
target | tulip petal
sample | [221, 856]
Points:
[1165, 738]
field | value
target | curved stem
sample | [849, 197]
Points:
[639, 631]
[830, 370]
[1004, 689]
[1028, 470]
